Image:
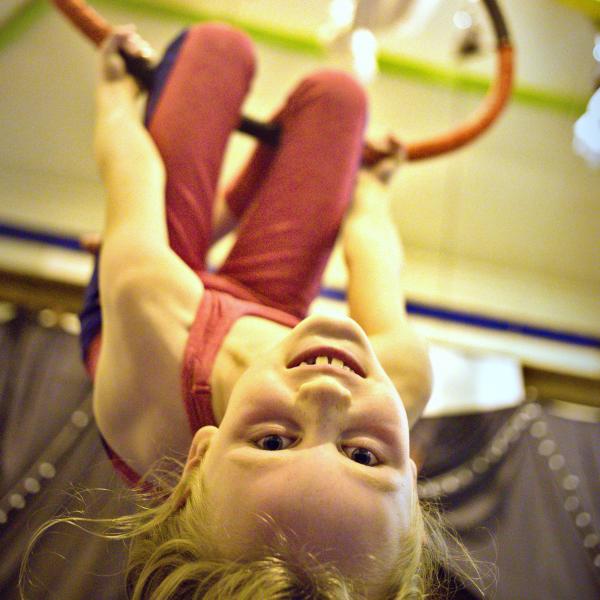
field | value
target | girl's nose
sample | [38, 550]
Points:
[324, 393]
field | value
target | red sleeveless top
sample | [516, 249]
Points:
[221, 306]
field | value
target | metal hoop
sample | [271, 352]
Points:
[96, 28]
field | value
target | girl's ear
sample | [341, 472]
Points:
[198, 449]
[199, 446]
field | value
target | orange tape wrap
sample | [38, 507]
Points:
[479, 121]
[85, 18]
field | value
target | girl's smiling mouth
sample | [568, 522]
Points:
[328, 356]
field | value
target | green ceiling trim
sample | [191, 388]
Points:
[394, 65]
[389, 64]
[548, 99]
[430, 74]
[20, 20]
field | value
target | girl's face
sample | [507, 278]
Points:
[321, 449]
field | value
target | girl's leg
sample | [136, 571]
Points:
[299, 193]
[192, 109]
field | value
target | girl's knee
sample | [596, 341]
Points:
[339, 90]
[226, 42]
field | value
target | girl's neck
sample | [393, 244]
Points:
[248, 336]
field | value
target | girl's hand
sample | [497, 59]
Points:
[392, 151]
[115, 84]
[123, 38]
[371, 202]
[371, 194]
[117, 109]
[386, 168]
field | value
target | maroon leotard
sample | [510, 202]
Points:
[290, 199]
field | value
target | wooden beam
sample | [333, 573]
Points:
[547, 386]
[35, 293]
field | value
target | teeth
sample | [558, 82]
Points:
[325, 360]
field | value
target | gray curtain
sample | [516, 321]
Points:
[43, 384]
[522, 489]
[513, 511]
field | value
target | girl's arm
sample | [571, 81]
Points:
[129, 163]
[149, 295]
[135, 235]
[374, 256]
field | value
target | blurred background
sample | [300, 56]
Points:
[502, 237]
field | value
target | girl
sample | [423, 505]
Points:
[295, 428]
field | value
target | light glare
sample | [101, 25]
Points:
[586, 132]
[364, 54]
[342, 12]
[462, 19]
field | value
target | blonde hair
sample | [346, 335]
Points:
[172, 554]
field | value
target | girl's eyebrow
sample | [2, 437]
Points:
[255, 416]
[381, 427]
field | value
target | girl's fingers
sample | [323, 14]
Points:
[135, 45]
[117, 38]
[127, 39]
[112, 67]
[386, 169]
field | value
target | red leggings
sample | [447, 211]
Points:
[290, 199]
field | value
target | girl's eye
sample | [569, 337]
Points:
[362, 456]
[274, 442]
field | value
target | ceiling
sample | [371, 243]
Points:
[517, 205]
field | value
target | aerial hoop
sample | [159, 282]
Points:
[96, 28]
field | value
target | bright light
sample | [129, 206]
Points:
[342, 12]
[363, 42]
[596, 50]
[586, 132]
[468, 381]
[341, 18]
[364, 54]
[462, 19]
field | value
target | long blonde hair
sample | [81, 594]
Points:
[172, 554]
